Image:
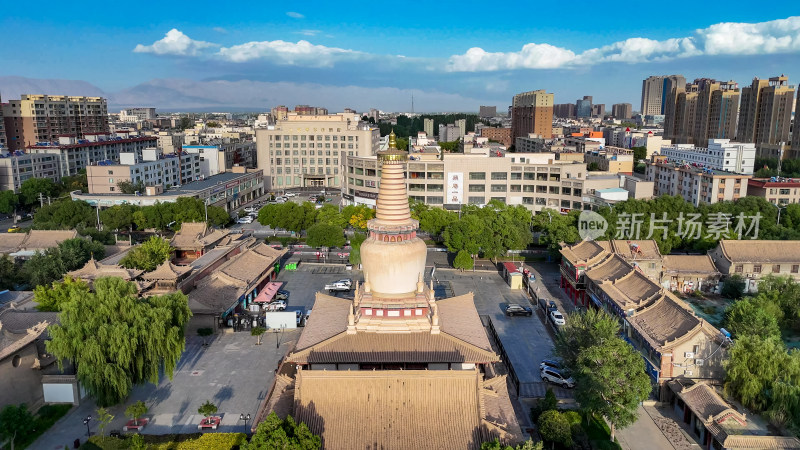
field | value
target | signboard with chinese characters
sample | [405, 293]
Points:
[455, 188]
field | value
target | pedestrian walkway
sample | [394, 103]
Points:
[644, 433]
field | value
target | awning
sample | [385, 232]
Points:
[268, 293]
[595, 300]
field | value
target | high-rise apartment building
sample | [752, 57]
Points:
[796, 132]
[43, 118]
[704, 109]
[766, 111]
[2, 128]
[427, 125]
[583, 107]
[622, 110]
[279, 112]
[599, 110]
[307, 150]
[450, 132]
[462, 127]
[532, 112]
[137, 114]
[488, 111]
[306, 110]
[564, 110]
[673, 86]
[654, 93]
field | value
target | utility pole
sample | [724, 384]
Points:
[41, 200]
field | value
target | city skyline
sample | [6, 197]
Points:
[176, 58]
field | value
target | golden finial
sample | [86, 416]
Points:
[392, 140]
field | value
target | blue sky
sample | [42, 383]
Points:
[451, 55]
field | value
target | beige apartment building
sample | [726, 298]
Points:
[611, 159]
[535, 180]
[308, 150]
[622, 110]
[766, 111]
[17, 167]
[695, 185]
[532, 112]
[705, 109]
[43, 118]
[778, 191]
[152, 168]
[75, 154]
[653, 93]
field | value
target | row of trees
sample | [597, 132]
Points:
[32, 188]
[760, 372]
[609, 374]
[77, 214]
[410, 126]
[679, 218]
[45, 267]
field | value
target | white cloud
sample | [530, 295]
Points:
[295, 15]
[290, 53]
[174, 43]
[776, 36]
[220, 30]
[308, 32]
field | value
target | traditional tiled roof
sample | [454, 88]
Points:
[612, 268]
[585, 251]
[397, 409]
[11, 242]
[668, 322]
[634, 291]
[251, 263]
[761, 251]
[20, 328]
[93, 270]
[647, 249]
[44, 239]
[460, 319]
[704, 401]
[418, 347]
[689, 264]
[196, 235]
[167, 271]
[332, 313]
[214, 295]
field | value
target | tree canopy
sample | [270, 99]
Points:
[325, 235]
[65, 215]
[151, 254]
[30, 189]
[52, 298]
[275, 433]
[8, 201]
[582, 331]
[16, 422]
[117, 340]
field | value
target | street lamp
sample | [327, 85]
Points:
[86, 422]
[245, 418]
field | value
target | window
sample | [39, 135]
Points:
[776, 268]
[477, 176]
[795, 268]
[516, 188]
[499, 175]
[739, 268]
[477, 188]
[516, 176]
[757, 268]
[498, 188]
[111, 172]
[476, 200]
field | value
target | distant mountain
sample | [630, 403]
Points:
[239, 95]
[12, 87]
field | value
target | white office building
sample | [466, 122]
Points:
[721, 154]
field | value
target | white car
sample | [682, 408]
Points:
[556, 377]
[290, 194]
[251, 209]
[245, 219]
[557, 318]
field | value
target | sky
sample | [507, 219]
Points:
[451, 56]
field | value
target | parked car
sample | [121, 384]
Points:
[14, 229]
[556, 376]
[250, 209]
[552, 306]
[300, 321]
[347, 281]
[245, 219]
[518, 310]
[551, 363]
[338, 286]
[277, 305]
[557, 318]
[290, 194]
[543, 303]
[282, 295]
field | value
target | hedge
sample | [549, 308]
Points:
[195, 441]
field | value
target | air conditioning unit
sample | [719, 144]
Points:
[688, 355]
[699, 362]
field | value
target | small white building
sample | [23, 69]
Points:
[721, 154]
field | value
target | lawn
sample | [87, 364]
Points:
[599, 434]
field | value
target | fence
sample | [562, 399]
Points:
[511, 373]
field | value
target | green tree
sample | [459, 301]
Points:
[135, 411]
[545, 404]
[32, 187]
[465, 234]
[103, 418]
[185, 123]
[207, 409]
[358, 215]
[77, 251]
[324, 235]
[497, 445]
[54, 298]
[733, 287]
[77, 182]
[436, 220]
[583, 330]
[117, 340]
[463, 261]
[593, 167]
[158, 216]
[755, 364]
[16, 423]
[258, 332]
[44, 267]
[554, 427]
[330, 215]
[151, 254]
[556, 228]
[118, 217]
[10, 274]
[204, 333]
[611, 381]
[275, 433]
[8, 201]
[355, 247]
[754, 315]
[136, 442]
[65, 215]
[130, 188]
[639, 153]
